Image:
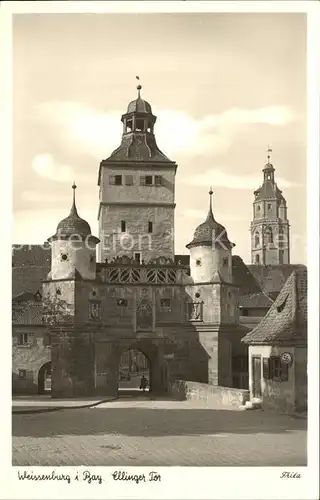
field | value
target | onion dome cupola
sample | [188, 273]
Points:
[138, 140]
[211, 233]
[73, 227]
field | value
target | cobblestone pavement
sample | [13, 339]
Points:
[158, 433]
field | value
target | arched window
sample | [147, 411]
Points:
[256, 239]
[257, 259]
[268, 235]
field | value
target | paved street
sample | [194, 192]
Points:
[160, 433]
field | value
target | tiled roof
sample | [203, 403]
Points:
[209, 233]
[250, 322]
[272, 278]
[28, 279]
[243, 277]
[286, 320]
[31, 255]
[27, 313]
[30, 265]
[137, 147]
[253, 300]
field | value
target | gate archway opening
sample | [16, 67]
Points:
[44, 379]
[134, 370]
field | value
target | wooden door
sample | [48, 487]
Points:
[256, 376]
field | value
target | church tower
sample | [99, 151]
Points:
[137, 192]
[270, 230]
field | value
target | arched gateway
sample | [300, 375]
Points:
[134, 367]
[44, 379]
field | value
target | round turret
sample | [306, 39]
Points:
[73, 248]
[210, 251]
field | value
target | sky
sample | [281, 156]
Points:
[223, 86]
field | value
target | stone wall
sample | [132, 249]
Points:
[136, 238]
[30, 357]
[301, 378]
[215, 395]
[276, 394]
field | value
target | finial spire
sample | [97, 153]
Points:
[269, 151]
[210, 214]
[138, 87]
[74, 208]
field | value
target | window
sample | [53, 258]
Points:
[198, 262]
[258, 208]
[244, 311]
[256, 239]
[257, 259]
[95, 310]
[165, 304]
[64, 256]
[140, 125]
[137, 257]
[123, 226]
[225, 261]
[268, 235]
[158, 180]
[25, 338]
[115, 180]
[23, 374]
[122, 302]
[128, 180]
[146, 180]
[275, 369]
[194, 311]
[269, 206]
[150, 227]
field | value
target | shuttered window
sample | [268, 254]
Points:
[115, 180]
[128, 180]
[266, 368]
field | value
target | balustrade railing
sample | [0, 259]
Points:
[164, 275]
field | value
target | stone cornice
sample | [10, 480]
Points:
[134, 204]
[225, 283]
[131, 165]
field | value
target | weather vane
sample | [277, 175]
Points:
[138, 86]
[269, 151]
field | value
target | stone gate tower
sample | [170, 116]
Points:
[137, 192]
[213, 288]
[270, 230]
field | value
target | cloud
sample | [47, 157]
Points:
[271, 115]
[45, 166]
[220, 178]
[178, 133]
[191, 213]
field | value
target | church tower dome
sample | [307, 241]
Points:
[139, 105]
